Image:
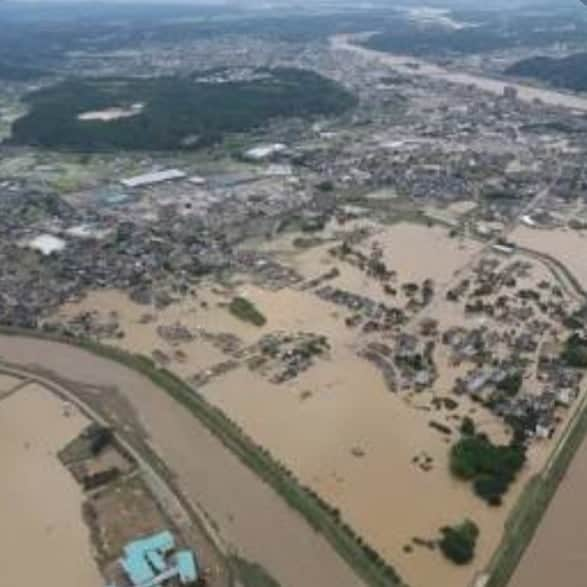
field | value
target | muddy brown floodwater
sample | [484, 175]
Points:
[44, 540]
[557, 553]
[566, 245]
[248, 513]
[336, 426]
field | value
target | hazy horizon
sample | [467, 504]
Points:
[364, 4]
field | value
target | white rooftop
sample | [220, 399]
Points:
[47, 244]
[113, 113]
[86, 231]
[152, 178]
[264, 151]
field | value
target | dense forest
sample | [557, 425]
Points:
[424, 42]
[568, 72]
[178, 112]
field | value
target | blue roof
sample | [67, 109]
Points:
[156, 560]
[145, 556]
[137, 568]
[163, 542]
[144, 561]
[186, 565]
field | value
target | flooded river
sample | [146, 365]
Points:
[557, 554]
[248, 513]
[413, 66]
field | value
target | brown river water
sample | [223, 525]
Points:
[557, 553]
[249, 514]
[405, 64]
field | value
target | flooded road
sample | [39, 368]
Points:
[414, 66]
[44, 540]
[249, 514]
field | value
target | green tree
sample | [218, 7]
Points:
[458, 542]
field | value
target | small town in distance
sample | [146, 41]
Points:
[293, 294]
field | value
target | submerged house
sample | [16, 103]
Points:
[153, 561]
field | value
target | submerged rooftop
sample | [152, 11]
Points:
[151, 561]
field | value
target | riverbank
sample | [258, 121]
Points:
[138, 501]
[416, 67]
[281, 538]
[520, 543]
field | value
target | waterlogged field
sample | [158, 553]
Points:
[566, 245]
[337, 426]
[40, 502]
[250, 516]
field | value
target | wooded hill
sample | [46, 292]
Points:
[569, 72]
[178, 112]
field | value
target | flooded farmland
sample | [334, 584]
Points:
[339, 425]
[40, 502]
[249, 515]
[419, 252]
[566, 245]
[354, 443]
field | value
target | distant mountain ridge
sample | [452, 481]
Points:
[567, 72]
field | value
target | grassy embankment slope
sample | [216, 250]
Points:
[531, 507]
